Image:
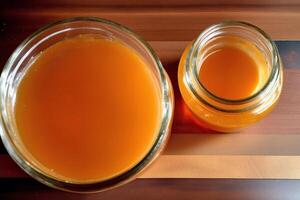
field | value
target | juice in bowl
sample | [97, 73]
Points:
[230, 76]
[85, 105]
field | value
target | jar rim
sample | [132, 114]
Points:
[275, 64]
[163, 134]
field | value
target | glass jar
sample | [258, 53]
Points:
[221, 114]
[19, 62]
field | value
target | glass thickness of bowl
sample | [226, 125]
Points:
[221, 114]
[41, 40]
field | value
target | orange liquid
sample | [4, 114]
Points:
[235, 69]
[229, 73]
[88, 109]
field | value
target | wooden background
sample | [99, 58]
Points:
[261, 162]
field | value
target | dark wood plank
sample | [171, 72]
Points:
[9, 169]
[163, 23]
[225, 189]
[79, 3]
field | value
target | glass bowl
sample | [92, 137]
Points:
[50, 34]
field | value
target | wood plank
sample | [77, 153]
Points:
[9, 169]
[179, 24]
[168, 3]
[202, 166]
[175, 189]
[234, 144]
[243, 167]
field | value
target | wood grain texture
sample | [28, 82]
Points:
[234, 144]
[167, 3]
[269, 149]
[152, 189]
[242, 167]
[202, 166]
[175, 23]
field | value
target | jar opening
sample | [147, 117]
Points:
[249, 40]
[232, 68]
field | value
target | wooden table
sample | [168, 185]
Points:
[261, 162]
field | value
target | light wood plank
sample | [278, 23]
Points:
[204, 166]
[234, 144]
[237, 167]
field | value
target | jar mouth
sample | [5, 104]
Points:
[215, 30]
[8, 130]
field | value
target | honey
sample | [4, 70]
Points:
[87, 109]
[229, 73]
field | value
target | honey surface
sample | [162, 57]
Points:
[88, 109]
[229, 73]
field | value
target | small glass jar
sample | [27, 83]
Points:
[221, 114]
[19, 62]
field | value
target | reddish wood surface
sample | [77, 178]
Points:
[168, 26]
[175, 189]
